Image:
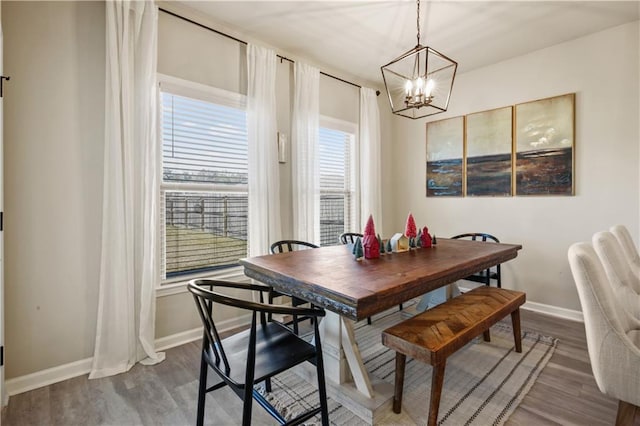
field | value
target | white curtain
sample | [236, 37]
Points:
[304, 152]
[129, 266]
[264, 188]
[370, 166]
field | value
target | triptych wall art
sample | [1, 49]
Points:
[526, 149]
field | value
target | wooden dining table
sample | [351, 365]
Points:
[351, 290]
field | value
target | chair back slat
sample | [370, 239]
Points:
[214, 343]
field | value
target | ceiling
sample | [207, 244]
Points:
[354, 38]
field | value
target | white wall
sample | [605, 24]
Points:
[602, 69]
[53, 138]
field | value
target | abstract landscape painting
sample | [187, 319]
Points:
[444, 157]
[544, 146]
[488, 155]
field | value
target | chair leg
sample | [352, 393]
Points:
[369, 320]
[247, 404]
[400, 306]
[517, 335]
[322, 387]
[267, 385]
[399, 382]
[295, 324]
[487, 336]
[270, 315]
[202, 390]
[628, 414]
[437, 380]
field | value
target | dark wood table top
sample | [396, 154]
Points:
[330, 277]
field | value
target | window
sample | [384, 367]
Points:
[204, 199]
[337, 179]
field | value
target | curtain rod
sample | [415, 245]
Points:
[282, 58]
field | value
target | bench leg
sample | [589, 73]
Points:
[437, 379]
[397, 393]
[487, 336]
[515, 324]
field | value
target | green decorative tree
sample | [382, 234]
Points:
[358, 250]
[380, 244]
[388, 247]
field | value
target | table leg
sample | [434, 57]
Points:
[342, 359]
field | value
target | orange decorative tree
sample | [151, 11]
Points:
[370, 241]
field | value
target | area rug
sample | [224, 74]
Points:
[484, 381]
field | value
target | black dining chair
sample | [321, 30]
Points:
[488, 274]
[255, 355]
[350, 238]
[285, 246]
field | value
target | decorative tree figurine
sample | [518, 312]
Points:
[370, 241]
[358, 252]
[419, 239]
[434, 240]
[388, 248]
[380, 244]
[426, 238]
[410, 230]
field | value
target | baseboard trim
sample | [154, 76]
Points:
[47, 377]
[555, 311]
[63, 372]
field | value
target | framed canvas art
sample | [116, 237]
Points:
[488, 152]
[444, 157]
[545, 131]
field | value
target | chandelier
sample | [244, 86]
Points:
[419, 81]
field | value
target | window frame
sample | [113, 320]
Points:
[177, 86]
[351, 128]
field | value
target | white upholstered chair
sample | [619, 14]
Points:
[623, 236]
[613, 341]
[626, 285]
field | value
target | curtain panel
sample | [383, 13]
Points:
[129, 263]
[264, 182]
[370, 161]
[304, 152]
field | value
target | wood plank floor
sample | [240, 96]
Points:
[166, 394]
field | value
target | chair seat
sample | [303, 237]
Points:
[277, 349]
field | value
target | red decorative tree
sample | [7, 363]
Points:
[425, 238]
[370, 241]
[411, 230]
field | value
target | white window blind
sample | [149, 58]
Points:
[337, 182]
[204, 184]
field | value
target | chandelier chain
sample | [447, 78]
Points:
[418, 21]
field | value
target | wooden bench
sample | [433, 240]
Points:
[435, 334]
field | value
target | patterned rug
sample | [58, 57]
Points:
[484, 382]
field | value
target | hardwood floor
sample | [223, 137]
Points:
[165, 394]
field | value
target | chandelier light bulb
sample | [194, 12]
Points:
[407, 87]
[419, 86]
[430, 86]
